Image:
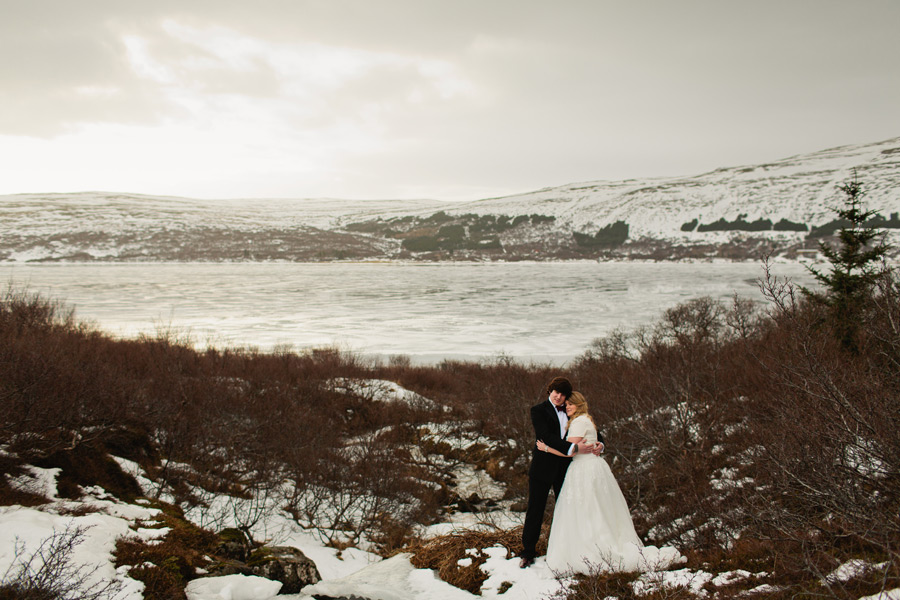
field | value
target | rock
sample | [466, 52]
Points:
[234, 544]
[228, 566]
[285, 564]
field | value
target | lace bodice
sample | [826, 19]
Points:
[582, 426]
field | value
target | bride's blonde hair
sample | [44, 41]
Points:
[581, 408]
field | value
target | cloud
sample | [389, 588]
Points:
[361, 98]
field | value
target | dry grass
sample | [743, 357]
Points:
[444, 554]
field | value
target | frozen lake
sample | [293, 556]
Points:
[531, 311]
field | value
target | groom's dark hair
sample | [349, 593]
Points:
[561, 385]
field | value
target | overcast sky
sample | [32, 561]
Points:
[449, 99]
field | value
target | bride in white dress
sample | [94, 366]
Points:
[592, 529]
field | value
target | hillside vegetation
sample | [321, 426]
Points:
[754, 436]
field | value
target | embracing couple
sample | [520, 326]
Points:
[592, 527]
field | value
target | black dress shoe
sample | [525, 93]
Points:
[525, 562]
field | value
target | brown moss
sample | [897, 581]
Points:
[166, 565]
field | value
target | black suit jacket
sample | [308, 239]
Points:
[544, 465]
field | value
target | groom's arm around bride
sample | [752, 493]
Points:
[547, 470]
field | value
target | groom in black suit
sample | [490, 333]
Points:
[547, 470]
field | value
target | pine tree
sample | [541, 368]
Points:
[856, 264]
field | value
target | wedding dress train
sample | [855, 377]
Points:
[592, 528]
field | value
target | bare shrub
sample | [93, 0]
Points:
[49, 572]
[597, 585]
[47, 376]
[827, 426]
[668, 399]
[11, 468]
[367, 488]
[490, 399]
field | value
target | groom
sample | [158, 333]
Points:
[548, 470]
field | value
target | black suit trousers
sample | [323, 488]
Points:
[538, 492]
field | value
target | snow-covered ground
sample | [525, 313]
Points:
[351, 572]
[348, 573]
[100, 520]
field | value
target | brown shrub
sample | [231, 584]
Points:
[828, 421]
[391, 536]
[600, 585]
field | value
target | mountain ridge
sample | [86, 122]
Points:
[732, 212]
[877, 165]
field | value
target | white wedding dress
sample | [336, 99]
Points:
[592, 529]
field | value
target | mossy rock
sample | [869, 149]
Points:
[285, 564]
[234, 544]
[228, 566]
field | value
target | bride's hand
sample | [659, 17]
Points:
[541, 446]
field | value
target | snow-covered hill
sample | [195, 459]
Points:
[799, 191]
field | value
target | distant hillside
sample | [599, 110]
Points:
[738, 212]
[799, 189]
[782, 207]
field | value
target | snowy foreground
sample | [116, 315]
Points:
[353, 573]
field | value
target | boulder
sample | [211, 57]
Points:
[285, 564]
[228, 566]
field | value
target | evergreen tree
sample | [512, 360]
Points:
[856, 264]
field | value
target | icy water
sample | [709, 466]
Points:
[533, 312]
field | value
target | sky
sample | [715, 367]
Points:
[446, 100]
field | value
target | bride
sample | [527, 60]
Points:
[592, 528]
